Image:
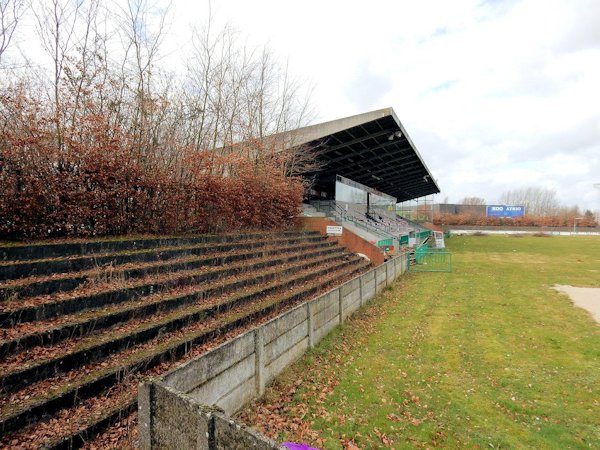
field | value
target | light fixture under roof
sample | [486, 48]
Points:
[396, 135]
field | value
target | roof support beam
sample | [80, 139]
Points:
[328, 149]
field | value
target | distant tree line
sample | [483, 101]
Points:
[587, 220]
[103, 139]
[542, 208]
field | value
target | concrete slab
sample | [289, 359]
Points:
[586, 298]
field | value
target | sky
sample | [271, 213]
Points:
[496, 95]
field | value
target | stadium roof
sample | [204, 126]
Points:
[373, 149]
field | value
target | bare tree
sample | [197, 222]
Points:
[472, 201]
[56, 22]
[537, 201]
[105, 63]
[86, 64]
[235, 94]
[11, 12]
[142, 42]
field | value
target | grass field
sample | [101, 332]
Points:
[488, 356]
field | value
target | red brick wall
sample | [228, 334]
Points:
[348, 239]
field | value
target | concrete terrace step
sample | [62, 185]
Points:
[15, 269]
[83, 323]
[169, 346]
[124, 267]
[51, 250]
[18, 311]
[32, 369]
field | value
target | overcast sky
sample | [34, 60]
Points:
[496, 95]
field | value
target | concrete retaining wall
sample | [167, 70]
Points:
[232, 374]
[348, 239]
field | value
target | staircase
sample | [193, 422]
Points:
[82, 323]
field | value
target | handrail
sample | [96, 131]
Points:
[332, 207]
[413, 223]
[345, 215]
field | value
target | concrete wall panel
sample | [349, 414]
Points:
[282, 324]
[233, 400]
[331, 311]
[349, 287]
[170, 420]
[321, 332]
[215, 388]
[391, 270]
[350, 304]
[190, 375]
[285, 359]
[284, 342]
[232, 435]
[380, 278]
[368, 286]
[324, 301]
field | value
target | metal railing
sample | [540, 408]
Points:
[431, 260]
[331, 207]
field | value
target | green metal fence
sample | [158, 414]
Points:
[431, 260]
[420, 252]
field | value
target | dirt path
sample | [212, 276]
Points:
[586, 298]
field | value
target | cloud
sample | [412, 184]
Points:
[367, 89]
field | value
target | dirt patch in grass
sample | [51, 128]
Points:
[586, 298]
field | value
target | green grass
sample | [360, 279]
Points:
[488, 356]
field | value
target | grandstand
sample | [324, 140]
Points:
[368, 164]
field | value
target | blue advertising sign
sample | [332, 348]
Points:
[505, 211]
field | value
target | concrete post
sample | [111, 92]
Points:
[340, 306]
[309, 320]
[360, 290]
[387, 273]
[145, 394]
[259, 345]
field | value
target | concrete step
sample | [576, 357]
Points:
[43, 308]
[123, 267]
[18, 252]
[15, 269]
[78, 352]
[51, 332]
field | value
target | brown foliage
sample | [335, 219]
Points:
[95, 181]
[559, 220]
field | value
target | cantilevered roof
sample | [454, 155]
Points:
[373, 149]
